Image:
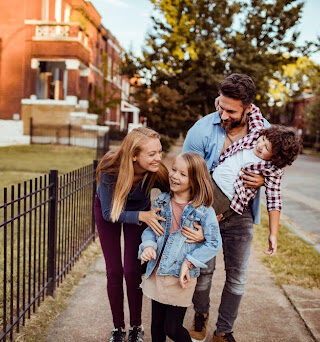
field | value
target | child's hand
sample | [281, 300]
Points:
[184, 277]
[272, 245]
[148, 254]
[220, 217]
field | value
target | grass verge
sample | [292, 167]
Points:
[296, 262]
[29, 161]
[36, 328]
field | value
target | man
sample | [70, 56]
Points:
[210, 137]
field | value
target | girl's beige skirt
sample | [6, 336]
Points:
[167, 290]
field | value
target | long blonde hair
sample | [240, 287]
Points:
[199, 179]
[120, 164]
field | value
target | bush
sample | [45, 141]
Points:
[166, 143]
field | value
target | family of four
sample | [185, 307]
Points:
[209, 200]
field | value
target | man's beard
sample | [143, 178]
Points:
[229, 124]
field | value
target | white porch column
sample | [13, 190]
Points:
[135, 118]
[122, 123]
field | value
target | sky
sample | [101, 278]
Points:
[129, 20]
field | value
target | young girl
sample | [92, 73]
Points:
[123, 200]
[173, 263]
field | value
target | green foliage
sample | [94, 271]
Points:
[195, 44]
[294, 78]
[166, 143]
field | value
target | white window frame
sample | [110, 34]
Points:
[45, 10]
[67, 12]
[57, 13]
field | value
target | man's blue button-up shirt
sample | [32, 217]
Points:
[206, 137]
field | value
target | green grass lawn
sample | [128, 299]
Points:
[20, 163]
[295, 263]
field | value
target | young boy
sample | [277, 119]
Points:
[275, 148]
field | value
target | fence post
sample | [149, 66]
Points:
[94, 189]
[31, 130]
[69, 133]
[52, 231]
[106, 143]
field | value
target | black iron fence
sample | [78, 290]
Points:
[103, 144]
[45, 224]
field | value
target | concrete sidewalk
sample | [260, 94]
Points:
[266, 313]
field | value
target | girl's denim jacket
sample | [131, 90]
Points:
[175, 249]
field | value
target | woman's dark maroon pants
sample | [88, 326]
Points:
[109, 234]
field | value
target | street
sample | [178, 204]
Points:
[301, 196]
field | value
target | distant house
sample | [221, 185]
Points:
[51, 64]
[300, 103]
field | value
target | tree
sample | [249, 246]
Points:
[294, 78]
[194, 44]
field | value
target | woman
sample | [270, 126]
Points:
[125, 179]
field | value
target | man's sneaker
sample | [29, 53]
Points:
[136, 334]
[198, 330]
[227, 337]
[117, 335]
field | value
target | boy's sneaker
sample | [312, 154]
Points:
[117, 335]
[227, 337]
[136, 334]
[198, 331]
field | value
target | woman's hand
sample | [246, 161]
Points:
[152, 220]
[193, 235]
[148, 254]
[252, 180]
[184, 276]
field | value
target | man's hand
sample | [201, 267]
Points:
[184, 276]
[193, 235]
[152, 220]
[148, 254]
[272, 245]
[252, 180]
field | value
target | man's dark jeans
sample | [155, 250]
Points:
[237, 233]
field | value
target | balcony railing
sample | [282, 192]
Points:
[61, 31]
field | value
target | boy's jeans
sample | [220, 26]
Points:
[237, 233]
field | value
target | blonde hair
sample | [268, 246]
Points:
[120, 164]
[199, 179]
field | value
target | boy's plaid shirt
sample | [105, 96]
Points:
[272, 175]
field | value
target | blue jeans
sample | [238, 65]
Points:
[236, 232]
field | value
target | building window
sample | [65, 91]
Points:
[45, 10]
[58, 11]
[67, 12]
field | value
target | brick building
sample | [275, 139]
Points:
[51, 63]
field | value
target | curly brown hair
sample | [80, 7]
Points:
[285, 142]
